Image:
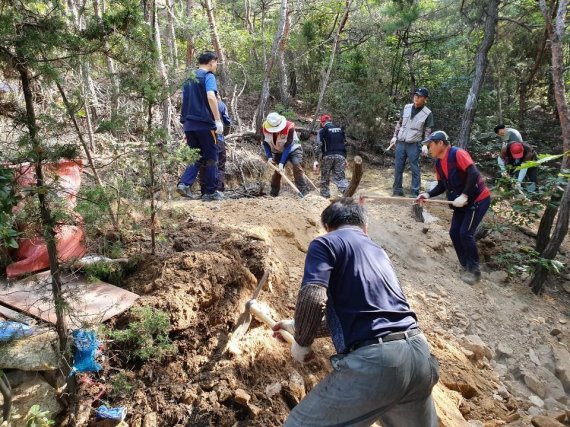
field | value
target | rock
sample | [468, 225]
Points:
[296, 385]
[552, 404]
[562, 361]
[503, 350]
[536, 401]
[33, 392]
[555, 332]
[535, 384]
[253, 410]
[475, 423]
[272, 389]
[447, 403]
[554, 387]
[150, 420]
[566, 286]
[502, 391]
[241, 397]
[500, 369]
[533, 357]
[544, 421]
[475, 344]
[533, 410]
[562, 321]
[35, 353]
[498, 276]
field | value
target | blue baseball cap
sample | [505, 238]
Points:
[422, 91]
[438, 135]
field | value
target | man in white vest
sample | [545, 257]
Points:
[415, 125]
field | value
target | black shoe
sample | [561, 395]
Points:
[397, 194]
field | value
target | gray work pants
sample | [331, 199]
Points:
[390, 382]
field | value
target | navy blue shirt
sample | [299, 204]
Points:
[195, 113]
[365, 299]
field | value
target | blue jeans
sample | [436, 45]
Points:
[207, 164]
[464, 223]
[411, 152]
[391, 382]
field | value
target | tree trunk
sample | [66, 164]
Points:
[526, 82]
[327, 75]
[280, 36]
[560, 230]
[6, 392]
[171, 35]
[356, 177]
[284, 77]
[217, 46]
[99, 8]
[492, 14]
[190, 36]
[48, 222]
[543, 234]
[556, 32]
[166, 104]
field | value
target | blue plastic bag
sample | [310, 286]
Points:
[14, 330]
[86, 345]
[104, 413]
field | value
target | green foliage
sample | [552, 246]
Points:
[523, 259]
[146, 335]
[121, 384]
[8, 232]
[37, 418]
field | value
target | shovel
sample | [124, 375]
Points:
[417, 210]
[276, 169]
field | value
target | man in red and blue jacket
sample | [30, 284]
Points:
[460, 179]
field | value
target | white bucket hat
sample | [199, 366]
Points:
[274, 123]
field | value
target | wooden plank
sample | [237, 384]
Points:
[89, 303]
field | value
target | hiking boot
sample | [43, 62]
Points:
[471, 278]
[413, 195]
[214, 197]
[184, 190]
[397, 194]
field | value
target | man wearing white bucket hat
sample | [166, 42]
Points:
[281, 145]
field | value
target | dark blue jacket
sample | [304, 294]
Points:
[456, 180]
[332, 140]
[195, 107]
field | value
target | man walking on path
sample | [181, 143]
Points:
[459, 178]
[201, 119]
[281, 145]
[383, 369]
[415, 124]
[192, 170]
[330, 145]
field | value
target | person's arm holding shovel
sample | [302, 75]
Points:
[309, 321]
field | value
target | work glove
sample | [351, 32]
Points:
[219, 127]
[421, 198]
[460, 201]
[281, 167]
[393, 140]
[270, 161]
[302, 354]
[425, 151]
[316, 166]
[286, 325]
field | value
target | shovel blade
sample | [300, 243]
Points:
[418, 212]
[242, 325]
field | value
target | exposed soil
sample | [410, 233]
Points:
[212, 258]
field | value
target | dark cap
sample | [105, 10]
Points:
[438, 135]
[422, 91]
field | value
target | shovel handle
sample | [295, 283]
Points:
[276, 169]
[256, 310]
[407, 199]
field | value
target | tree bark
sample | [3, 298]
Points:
[284, 75]
[223, 81]
[556, 31]
[190, 36]
[171, 35]
[356, 177]
[327, 75]
[166, 103]
[280, 37]
[526, 82]
[560, 230]
[543, 234]
[492, 14]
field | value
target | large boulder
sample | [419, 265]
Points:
[475, 344]
[35, 353]
[562, 360]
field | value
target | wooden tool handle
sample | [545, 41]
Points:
[276, 169]
[407, 199]
[256, 310]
